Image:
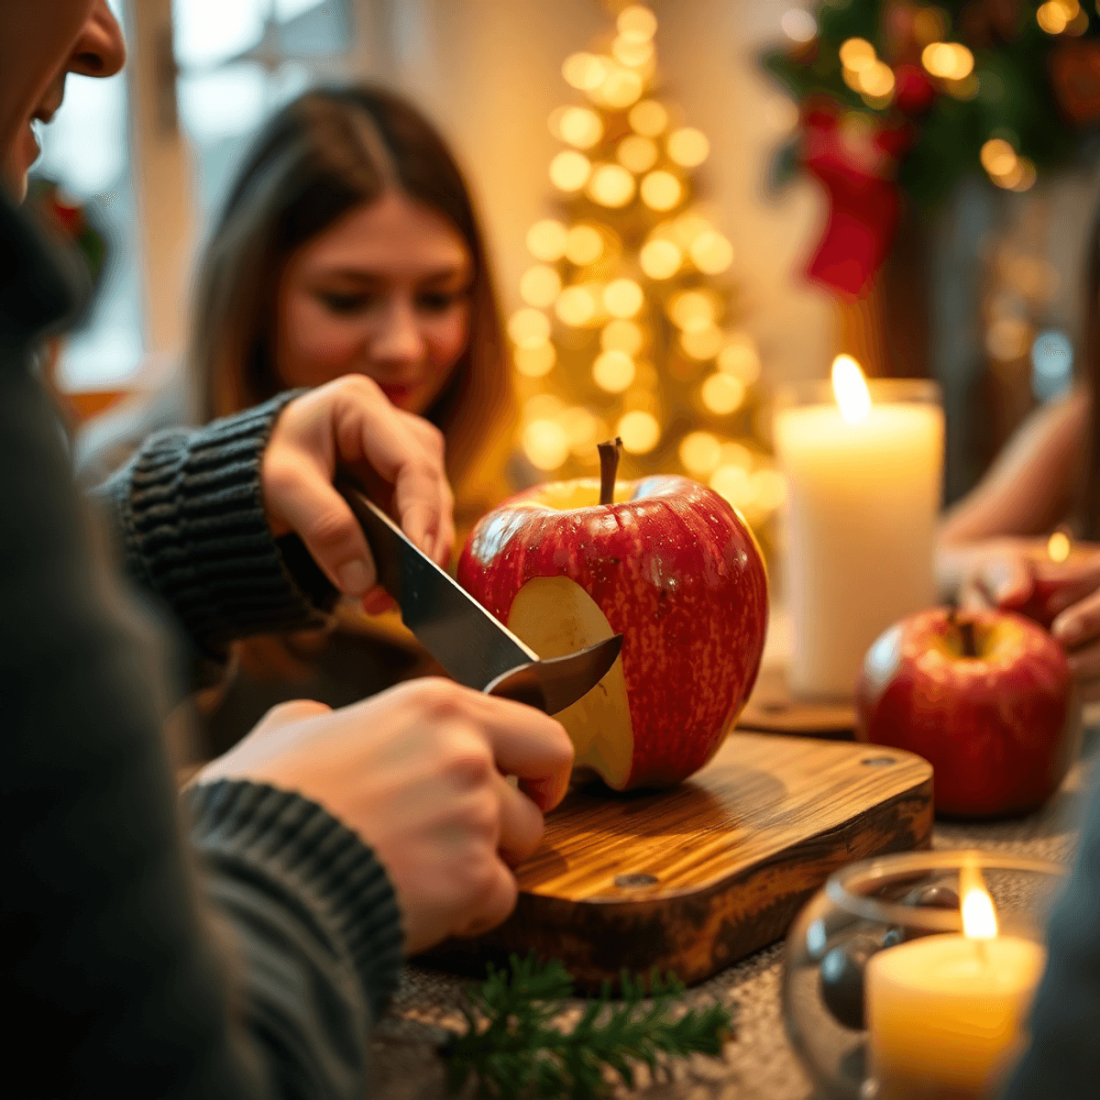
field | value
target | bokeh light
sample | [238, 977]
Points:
[1055, 16]
[857, 54]
[688, 147]
[692, 310]
[577, 305]
[636, 54]
[535, 362]
[798, 25]
[546, 240]
[700, 453]
[636, 23]
[661, 190]
[584, 71]
[569, 170]
[637, 153]
[722, 393]
[623, 298]
[740, 360]
[702, 343]
[529, 328]
[660, 259]
[620, 89]
[711, 253]
[948, 60]
[540, 285]
[546, 444]
[611, 185]
[998, 157]
[648, 118]
[613, 371]
[579, 126]
[583, 245]
[639, 431]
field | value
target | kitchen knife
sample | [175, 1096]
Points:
[474, 647]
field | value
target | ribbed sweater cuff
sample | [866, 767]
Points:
[305, 852]
[195, 531]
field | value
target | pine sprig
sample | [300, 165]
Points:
[513, 1049]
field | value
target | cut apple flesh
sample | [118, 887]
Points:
[555, 616]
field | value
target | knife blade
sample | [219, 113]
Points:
[474, 647]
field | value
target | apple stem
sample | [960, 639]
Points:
[965, 628]
[609, 466]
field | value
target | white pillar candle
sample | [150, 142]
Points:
[946, 1014]
[863, 497]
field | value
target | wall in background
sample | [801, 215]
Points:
[490, 73]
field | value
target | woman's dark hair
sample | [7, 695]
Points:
[320, 157]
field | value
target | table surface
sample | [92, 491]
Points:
[758, 1063]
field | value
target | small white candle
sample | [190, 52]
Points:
[863, 497]
[946, 1014]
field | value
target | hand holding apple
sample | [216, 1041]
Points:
[985, 696]
[664, 561]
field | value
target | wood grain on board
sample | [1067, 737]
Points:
[695, 878]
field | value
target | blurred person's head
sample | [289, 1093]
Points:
[349, 244]
[41, 42]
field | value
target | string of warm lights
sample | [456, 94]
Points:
[626, 328]
[949, 65]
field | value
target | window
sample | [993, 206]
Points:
[236, 61]
[86, 151]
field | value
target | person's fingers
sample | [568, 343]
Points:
[496, 893]
[323, 521]
[294, 710]
[1008, 579]
[524, 742]
[521, 823]
[1079, 623]
[531, 746]
[378, 601]
[373, 431]
[975, 597]
[431, 438]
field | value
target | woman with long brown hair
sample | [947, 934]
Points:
[348, 244]
[993, 543]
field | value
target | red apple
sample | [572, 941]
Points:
[670, 566]
[986, 697]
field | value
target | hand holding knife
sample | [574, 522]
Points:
[474, 648]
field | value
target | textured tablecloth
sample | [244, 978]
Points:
[758, 1064]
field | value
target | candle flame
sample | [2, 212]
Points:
[850, 388]
[1058, 546]
[979, 918]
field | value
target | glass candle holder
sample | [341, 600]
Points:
[862, 504]
[887, 996]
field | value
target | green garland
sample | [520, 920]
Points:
[1037, 90]
[513, 1046]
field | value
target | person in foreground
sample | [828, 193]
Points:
[328, 842]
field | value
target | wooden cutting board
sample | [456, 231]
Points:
[773, 709]
[695, 878]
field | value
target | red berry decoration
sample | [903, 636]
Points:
[913, 91]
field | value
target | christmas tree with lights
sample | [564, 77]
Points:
[630, 327]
